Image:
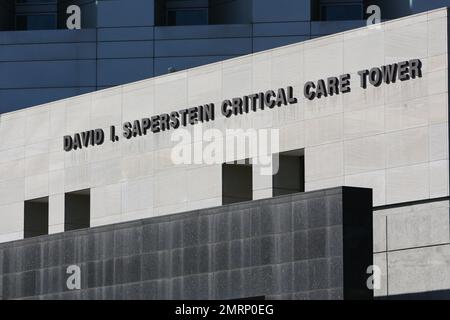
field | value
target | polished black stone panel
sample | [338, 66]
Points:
[314, 245]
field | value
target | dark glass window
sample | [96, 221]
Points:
[334, 12]
[36, 22]
[184, 17]
[237, 182]
[290, 177]
[77, 213]
[36, 1]
[36, 218]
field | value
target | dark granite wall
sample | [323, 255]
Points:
[314, 245]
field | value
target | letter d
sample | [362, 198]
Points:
[68, 143]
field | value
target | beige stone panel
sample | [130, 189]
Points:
[56, 210]
[291, 113]
[36, 186]
[37, 127]
[107, 151]
[57, 116]
[402, 91]
[135, 166]
[287, 66]
[106, 172]
[407, 147]
[204, 183]
[324, 184]
[364, 49]
[418, 228]
[365, 154]
[380, 260]
[78, 114]
[12, 216]
[12, 170]
[360, 98]
[107, 220]
[137, 195]
[437, 13]
[206, 203]
[435, 63]
[12, 132]
[37, 164]
[56, 161]
[364, 122]
[437, 82]
[138, 100]
[106, 201]
[165, 99]
[56, 182]
[106, 109]
[136, 146]
[437, 36]
[170, 209]
[316, 51]
[59, 228]
[406, 39]
[237, 77]
[14, 154]
[438, 142]
[77, 157]
[204, 85]
[409, 114]
[324, 130]
[439, 180]
[323, 106]
[438, 108]
[262, 71]
[40, 148]
[137, 215]
[77, 178]
[379, 232]
[255, 120]
[262, 194]
[292, 137]
[407, 183]
[170, 189]
[324, 162]
[419, 270]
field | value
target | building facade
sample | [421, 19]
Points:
[121, 41]
[363, 108]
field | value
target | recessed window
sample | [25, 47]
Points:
[290, 177]
[36, 217]
[77, 213]
[181, 12]
[35, 21]
[237, 184]
[341, 11]
[185, 17]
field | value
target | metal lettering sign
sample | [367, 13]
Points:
[322, 88]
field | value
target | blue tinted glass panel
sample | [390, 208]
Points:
[187, 17]
[341, 12]
[36, 22]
